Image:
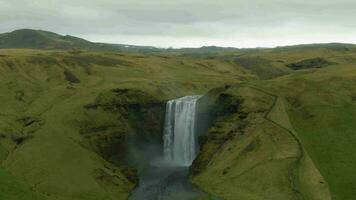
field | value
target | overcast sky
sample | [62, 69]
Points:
[188, 23]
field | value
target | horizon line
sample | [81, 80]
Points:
[186, 47]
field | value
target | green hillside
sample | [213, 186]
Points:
[282, 119]
[38, 39]
[253, 147]
[49, 140]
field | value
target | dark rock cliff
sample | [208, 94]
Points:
[119, 118]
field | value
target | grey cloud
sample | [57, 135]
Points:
[207, 21]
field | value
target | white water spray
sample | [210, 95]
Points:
[179, 138]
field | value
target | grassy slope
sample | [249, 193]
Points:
[322, 110]
[40, 145]
[13, 188]
[27, 38]
[242, 146]
[306, 178]
[320, 105]
[43, 154]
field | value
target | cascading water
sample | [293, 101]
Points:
[166, 179]
[179, 138]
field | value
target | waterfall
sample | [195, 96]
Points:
[179, 138]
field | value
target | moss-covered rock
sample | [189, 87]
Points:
[118, 115]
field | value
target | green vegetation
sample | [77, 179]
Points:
[320, 106]
[322, 111]
[246, 155]
[64, 115]
[282, 128]
[14, 189]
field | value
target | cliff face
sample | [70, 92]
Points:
[120, 119]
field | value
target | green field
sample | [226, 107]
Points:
[283, 124]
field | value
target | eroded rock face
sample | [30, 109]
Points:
[216, 111]
[119, 117]
[309, 63]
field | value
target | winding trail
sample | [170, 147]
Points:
[292, 175]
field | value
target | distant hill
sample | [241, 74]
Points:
[38, 39]
[316, 46]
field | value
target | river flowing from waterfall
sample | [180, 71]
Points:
[165, 178]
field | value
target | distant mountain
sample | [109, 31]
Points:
[38, 39]
[329, 46]
[207, 50]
